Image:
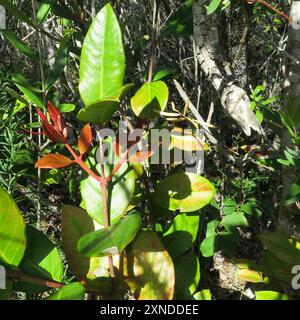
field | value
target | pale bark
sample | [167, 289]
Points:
[292, 85]
[234, 99]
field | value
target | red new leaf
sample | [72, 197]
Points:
[53, 161]
[140, 156]
[85, 139]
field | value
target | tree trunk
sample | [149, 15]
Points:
[234, 99]
[292, 84]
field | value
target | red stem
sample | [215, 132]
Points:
[81, 163]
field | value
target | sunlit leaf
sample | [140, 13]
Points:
[53, 161]
[153, 267]
[185, 192]
[12, 231]
[72, 291]
[150, 99]
[110, 240]
[85, 139]
[102, 65]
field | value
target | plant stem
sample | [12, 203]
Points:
[103, 185]
[81, 163]
[41, 69]
[17, 275]
[153, 39]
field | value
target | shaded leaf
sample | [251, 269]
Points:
[187, 275]
[42, 260]
[24, 85]
[181, 22]
[61, 59]
[19, 44]
[181, 234]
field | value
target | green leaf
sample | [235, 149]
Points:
[16, 12]
[249, 276]
[19, 44]
[162, 73]
[23, 84]
[150, 99]
[66, 107]
[181, 233]
[181, 22]
[185, 192]
[187, 275]
[12, 231]
[282, 247]
[203, 295]
[120, 192]
[75, 224]
[42, 260]
[111, 240]
[99, 112]
[234, 220]
[153, 267]
[270, 295]
[213, 6]
[280, 255]
[102, 65]
[61, 59]
[73, 291]
[209, 245]
[43, 12]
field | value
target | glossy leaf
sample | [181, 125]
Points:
[181, 234]
[85, 139]
[150, 99]
[102, 65]
[72, 291]
[153, 267]
[270, 295]
[12, 231]
[120, 192]
[233, 220]
[98, 112]
[61, 59]
[41, 260]
[110, 240]
[19, 44]
[53, 161]
[185, 192]
[187, 275]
